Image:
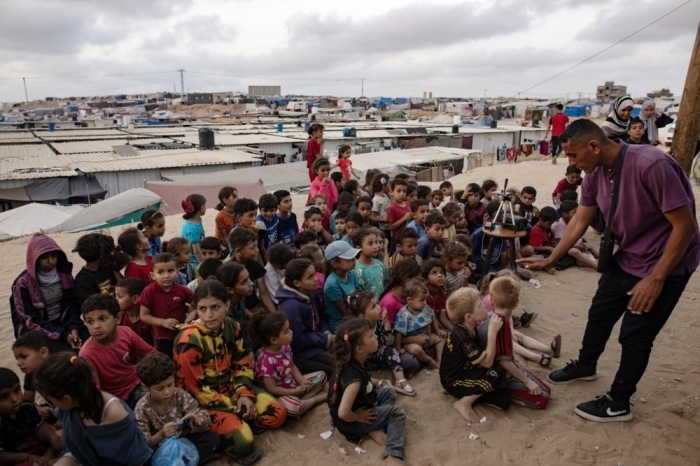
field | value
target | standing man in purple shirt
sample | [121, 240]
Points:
[658, 252]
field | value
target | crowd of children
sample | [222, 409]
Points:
[215, 339]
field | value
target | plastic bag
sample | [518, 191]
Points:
[175, 451]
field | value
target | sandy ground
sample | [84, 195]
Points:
[666, 406]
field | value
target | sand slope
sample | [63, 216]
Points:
[666, 406]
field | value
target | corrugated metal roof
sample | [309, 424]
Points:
[106, 145]
[79, 133]
[157, 159]
[30, 161]
[228, 139]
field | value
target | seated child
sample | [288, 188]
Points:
[524, 388]
[447, 189]
[434, 275]
[127, 292]
[571, 181]
[474, 209]
[98, 428]
[102, 265]
[345, 201]
[164, 303]
[180, 249]
[341, 281]
[429, 245]
[303, 238]
[25, 439]
[358, 404]
[43, 296]
[112, 349]
[269, 219]
[585, 255]
[452, 213]
[167, 410]
[275, 370]
[133, 242]
[152, 225]
[211, 249]
[245, 251]
[416, 330]
[364, 305]
[371, 274]
[399, 213]
[246, 211]
[287, 227]
[30, 351]
[540, 235]
[339, 224]
[524, 205]
[457, 272]
[489, 188]
[419, 211]
[313, 221]
[315, 254]
[207, 269]
[353, 222]
[363, 207]
[406, 247]
[467, 371]
[436, 198]
[278, 256]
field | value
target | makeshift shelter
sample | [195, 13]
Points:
[121, 209]
[74, 190]
[33, 218]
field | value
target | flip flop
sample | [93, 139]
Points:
[556, 346]
[251, 458]
[545, 360]
[402, 386]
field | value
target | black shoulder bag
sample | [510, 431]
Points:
[607, 240]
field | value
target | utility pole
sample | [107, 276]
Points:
[685, 137]
[182, 82]
[362, 88]
[26, 96]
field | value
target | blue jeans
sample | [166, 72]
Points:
[390, 417]
[637, 332]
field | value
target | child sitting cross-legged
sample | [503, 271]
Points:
[275, 370]
[364, 304]
[466, 370]
[169, 411]
[25, 439]
[112, 349]
[358, 404]
[416, 329]
[525, 389]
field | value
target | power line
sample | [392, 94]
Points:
[120, 75]
[608, 47]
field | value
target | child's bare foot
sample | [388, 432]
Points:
[393, 460]
[379, 436]
[464, 406]
[432, 364]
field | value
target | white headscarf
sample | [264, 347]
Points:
[650, 123]
[614, 123]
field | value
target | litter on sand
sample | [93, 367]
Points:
[482, 420]
[304, 436]
[359, 450]
[326, 435]
[473, 436]
[535, 282]
[342, 451]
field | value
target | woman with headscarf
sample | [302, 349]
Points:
[652, 122]
[616, 124]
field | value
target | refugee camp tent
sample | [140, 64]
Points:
[73, 190]
[121, 209]
[33, 218]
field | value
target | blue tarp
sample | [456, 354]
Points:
[576, 110]
[382, 102]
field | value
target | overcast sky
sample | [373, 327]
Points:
[401, 47]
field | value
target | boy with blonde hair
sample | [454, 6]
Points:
[466, 368]
[525, 389]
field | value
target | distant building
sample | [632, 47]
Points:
[609, 91]
[200, 98]
[264, 91]
[662, 93]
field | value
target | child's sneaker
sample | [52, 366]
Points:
[604, 409]
[527, 318]
[572, 371]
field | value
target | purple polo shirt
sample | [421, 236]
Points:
[652, 183]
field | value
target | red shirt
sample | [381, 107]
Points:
[344, 165]
[139, 327]
[564, 185]
[474, 216]
[134, 270]
[166, 305]
[395, 213]
[313, 149]
[558, 122]
[437, 302]
[539, 236]
[113, 365]
[504, 339]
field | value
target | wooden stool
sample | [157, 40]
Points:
[501, 233]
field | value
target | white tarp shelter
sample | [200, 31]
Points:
[33, 218]
[108, 211]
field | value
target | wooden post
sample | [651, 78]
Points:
[685, 137]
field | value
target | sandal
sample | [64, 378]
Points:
[556, 346]
[251, 458]
[545, 360]
[402, 386]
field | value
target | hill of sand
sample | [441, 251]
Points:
[665, 430]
